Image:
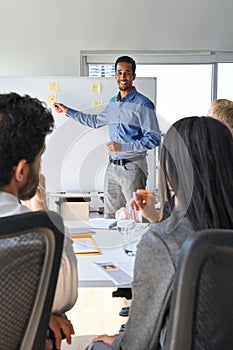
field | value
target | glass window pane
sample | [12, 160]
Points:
[182, 90]
[225, 78]
[101, 70]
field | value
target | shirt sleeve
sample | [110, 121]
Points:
[92, 120]
[67, 284]
[152, 286]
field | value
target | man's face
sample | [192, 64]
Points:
[124, 76]
[29, 188]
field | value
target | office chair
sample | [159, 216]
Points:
[201, 314]
[30, 253]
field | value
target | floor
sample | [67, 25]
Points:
[96, 312]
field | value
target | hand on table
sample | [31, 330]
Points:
[107, 339]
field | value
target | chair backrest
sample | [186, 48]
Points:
[30, 252]
[201, 314]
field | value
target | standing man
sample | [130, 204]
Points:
[133, 130]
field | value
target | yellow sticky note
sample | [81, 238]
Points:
[98, 104]
[52, 99]
[53, 86]
[96, 88]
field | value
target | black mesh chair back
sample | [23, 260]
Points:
[30, 253]
[201, 314]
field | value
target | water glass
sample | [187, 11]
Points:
[130, 230]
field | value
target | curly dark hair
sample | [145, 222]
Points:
[24, 123]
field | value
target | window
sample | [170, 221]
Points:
[187, 81]
[182, 89]
[225, 78]
[101, 70]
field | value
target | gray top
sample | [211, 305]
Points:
[155, 265]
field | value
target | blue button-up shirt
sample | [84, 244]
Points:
[131, 120]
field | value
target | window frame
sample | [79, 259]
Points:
[161, 57]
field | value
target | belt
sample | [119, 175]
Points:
[122, 162]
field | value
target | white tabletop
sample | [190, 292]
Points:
[110, 245]
[68, 194]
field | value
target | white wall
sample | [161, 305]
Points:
[45, 37]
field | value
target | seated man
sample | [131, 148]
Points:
[222, 109]
[24, 124]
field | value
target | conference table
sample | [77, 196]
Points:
[109, 242]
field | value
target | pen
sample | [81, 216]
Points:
[133, 213]
[113, 224]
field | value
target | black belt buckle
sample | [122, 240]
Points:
[121, 162]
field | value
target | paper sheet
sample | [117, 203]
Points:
[115, 273]
[87, 226]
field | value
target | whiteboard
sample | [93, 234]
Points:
[76, 156]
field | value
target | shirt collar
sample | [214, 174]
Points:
[128, 97]
[175, 218]
[8, 197]
[9, 204]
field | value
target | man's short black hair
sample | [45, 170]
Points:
[126, 59]
[24, 123]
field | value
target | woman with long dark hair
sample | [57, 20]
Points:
[196, 167]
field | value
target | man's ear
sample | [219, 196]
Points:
[134, 76]
[21, 170]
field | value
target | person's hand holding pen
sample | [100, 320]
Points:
[60, 108]
[144, 200]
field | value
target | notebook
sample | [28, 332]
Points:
[84, 244]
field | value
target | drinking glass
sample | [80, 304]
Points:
[130, 230]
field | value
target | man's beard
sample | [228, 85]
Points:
[124, 88]
[29, 189]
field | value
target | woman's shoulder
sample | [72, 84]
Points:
[161, 232]
[153, 233]
[159, 239]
